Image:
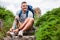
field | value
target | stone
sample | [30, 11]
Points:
[7, 38]
[1, 23]
[29, 38]
[27, 35]
[20, 38]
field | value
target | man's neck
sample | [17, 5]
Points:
[24, 12]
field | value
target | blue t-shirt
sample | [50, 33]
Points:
[23, 16]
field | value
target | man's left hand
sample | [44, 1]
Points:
[16, 30]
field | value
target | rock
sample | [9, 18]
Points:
[29, 38]
[27, 35]
[1, 23]
[20, 38]
[7, 38]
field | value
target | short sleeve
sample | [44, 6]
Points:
[30, 14]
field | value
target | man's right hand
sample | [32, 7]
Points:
[16, 30]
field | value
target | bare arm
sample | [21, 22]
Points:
[12, 28]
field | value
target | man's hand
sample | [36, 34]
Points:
[16, 30]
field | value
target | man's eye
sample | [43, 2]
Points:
[24, 5]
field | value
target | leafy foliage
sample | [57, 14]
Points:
[49, 25]
[7, 18]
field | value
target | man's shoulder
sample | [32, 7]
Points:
[30, 12]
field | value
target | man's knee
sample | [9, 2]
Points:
[32, 19]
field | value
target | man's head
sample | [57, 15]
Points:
[24, 6]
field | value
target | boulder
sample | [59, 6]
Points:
[20, 38]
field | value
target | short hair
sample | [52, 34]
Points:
[23, 2]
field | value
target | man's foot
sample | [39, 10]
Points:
[10, 34]
[20, 34]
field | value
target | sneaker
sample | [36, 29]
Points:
[10, 34]
[20, 34]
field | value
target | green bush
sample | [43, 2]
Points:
[49, 25]
[7, 17]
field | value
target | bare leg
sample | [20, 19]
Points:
[29, 24]
[25, 22]
[26, 25]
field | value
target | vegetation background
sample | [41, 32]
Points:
[48, 24]
[7, 17]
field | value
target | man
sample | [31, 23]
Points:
[24, 23]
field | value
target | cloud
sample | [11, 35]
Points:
[44, 5]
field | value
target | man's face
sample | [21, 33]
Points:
[24, 6]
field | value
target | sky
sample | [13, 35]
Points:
[44, 5]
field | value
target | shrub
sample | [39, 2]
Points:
[8, 17]
[49, 25]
